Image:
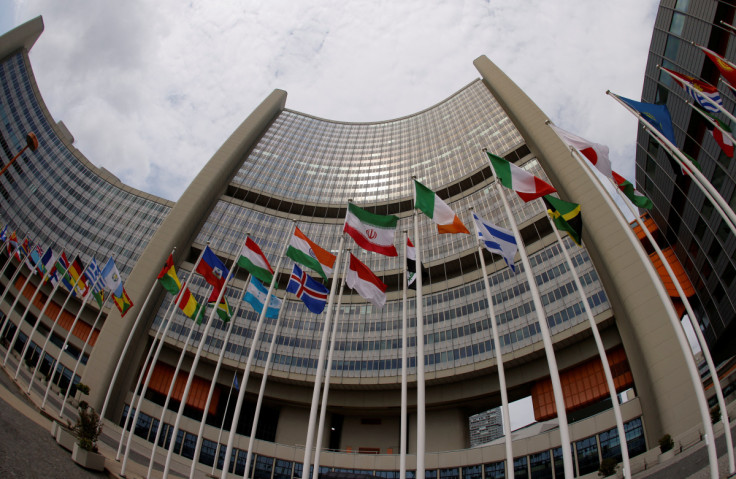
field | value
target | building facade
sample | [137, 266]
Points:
[280, 167]
[485, 427]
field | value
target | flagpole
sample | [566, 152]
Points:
[499, 360]
[12, 308]
[328, 373]
[6, 320]
[249, 363]
[222, 425]
[213, 382]
[712, 122]
[5, 267]
[720, 204]
[81, 353]
[421, 401]
[319, 372]
[546, 338]
[176, 303]
[704, 97]
[688, 351]
[404, 387]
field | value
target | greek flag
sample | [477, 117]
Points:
[497, 240]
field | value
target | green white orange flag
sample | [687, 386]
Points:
[526, 185]
[168, 278]
[372, 232]
[432, 205]
[310, 254]
[254, 261]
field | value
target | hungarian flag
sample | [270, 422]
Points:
[365, 282]
[526, 185]
[304, 251]
[595, 153]
[213, 270]
[727, 69]
[122, 302]
[566, 215]
[411, 265]
[312, 293]
[432, 205]
[698, 90]
[189, 306]
[254, 261]
[721, 133]
[168, 278]
[372, 232]
[631, 193]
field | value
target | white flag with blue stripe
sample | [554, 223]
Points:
[497, 240]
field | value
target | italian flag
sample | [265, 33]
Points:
[432, 205]
[631, 193]
[526, 185]
[304, 251]
[168, 278]
[254, 261]
[365, 282]
[372, 232]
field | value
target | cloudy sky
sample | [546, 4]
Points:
[150, 90]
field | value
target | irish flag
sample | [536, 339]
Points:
[304, 251]
[255, 262]
[432, 205]
[365, 282]
[526, 185]
[372, 232]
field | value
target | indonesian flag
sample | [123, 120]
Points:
[526, 185]
[595, 153]
[254, 261]
[304, 251]
[365, 282]
[727, 69]
[698, 90]
[372, 232]
[432, 205]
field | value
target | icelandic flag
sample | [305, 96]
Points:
[255, 295]
[497, 240]
[309, 290]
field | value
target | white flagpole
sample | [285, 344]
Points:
[328, 371]
[731, 29]
[12, 308]
[601, 354]
[320, 371]
[547, 340]
[5, 266]
[421, 401]
[704, 97]
[81, 353]
[127, 344]
[499, 361]
[712, 122]
[246, 372]
[404, 387]
[213, 383]
[701, 341]
[6, 320]
[175, 305]
[222, 426]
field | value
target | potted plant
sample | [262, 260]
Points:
[666, 447]
[87, 430]
[82, 389]
[608, 467]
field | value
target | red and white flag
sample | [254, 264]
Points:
[365, 282]
[596, 153]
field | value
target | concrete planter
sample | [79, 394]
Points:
[54, 427]
[666, 456]
[65, 438]
[88, 459]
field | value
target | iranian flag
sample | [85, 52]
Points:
[432, 205]
[372, 232]
[310, 254]
[596, 153]
[526, 185]
[254, 261]
[365, 282]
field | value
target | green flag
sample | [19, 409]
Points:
[566, 215]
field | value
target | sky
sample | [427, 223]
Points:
[150, 90]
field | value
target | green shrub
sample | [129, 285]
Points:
[608, 467]
[666, 443]
[88, 427]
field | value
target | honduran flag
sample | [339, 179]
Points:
[372, 232]
[254, 261]
[596, 153]
[365, 282]
[312, 293]
[305, 251]
[526, 185]
[432, 205]
[255, 295]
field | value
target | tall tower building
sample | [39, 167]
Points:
[485, 426]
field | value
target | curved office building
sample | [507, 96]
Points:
[281, 167]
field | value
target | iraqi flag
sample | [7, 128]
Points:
[596, 153]
[305, 251]
[526, 185]
[312, 293]
[372, 232]
[411, 265]
[432, 205]
[254, 261]
[365, 282]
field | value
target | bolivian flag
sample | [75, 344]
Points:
[566, 216]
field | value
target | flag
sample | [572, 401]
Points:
[304, 251]
[4, 234]
[213, 270]
[526, 185]
[33, 260]
[95, 282]
[168, 278]
[255, 295]
[411, 265]
[122, 302]
[111, 278]
[631, 193]
[223, 309]
[657, 116]
[235, 382]
[566, 215]
[47, 262]
[698, 90]
[20, 250]
[365, 282]
[189, 306]
[497, 240]
[309, 290]
[12, 243]
[254, 261]
[721, 133]
[595, 153]
[58, 272]
[76, 271]
[372, 232]
[432, 205]
[727, 69]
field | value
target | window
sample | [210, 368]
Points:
[496, 470]
[540, 465]
[610, 445]
[677, 24]
[587, 455]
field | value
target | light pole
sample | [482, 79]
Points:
[31, 142]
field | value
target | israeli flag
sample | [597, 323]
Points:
[497, 240]
[255, 295]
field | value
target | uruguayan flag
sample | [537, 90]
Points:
[255, 295]
[497, 240]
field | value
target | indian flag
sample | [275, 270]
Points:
[168, 278]
[255, 262]
[365, 282]
[372, 232]
[304, 251]
[432, 205]
[526, 185]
